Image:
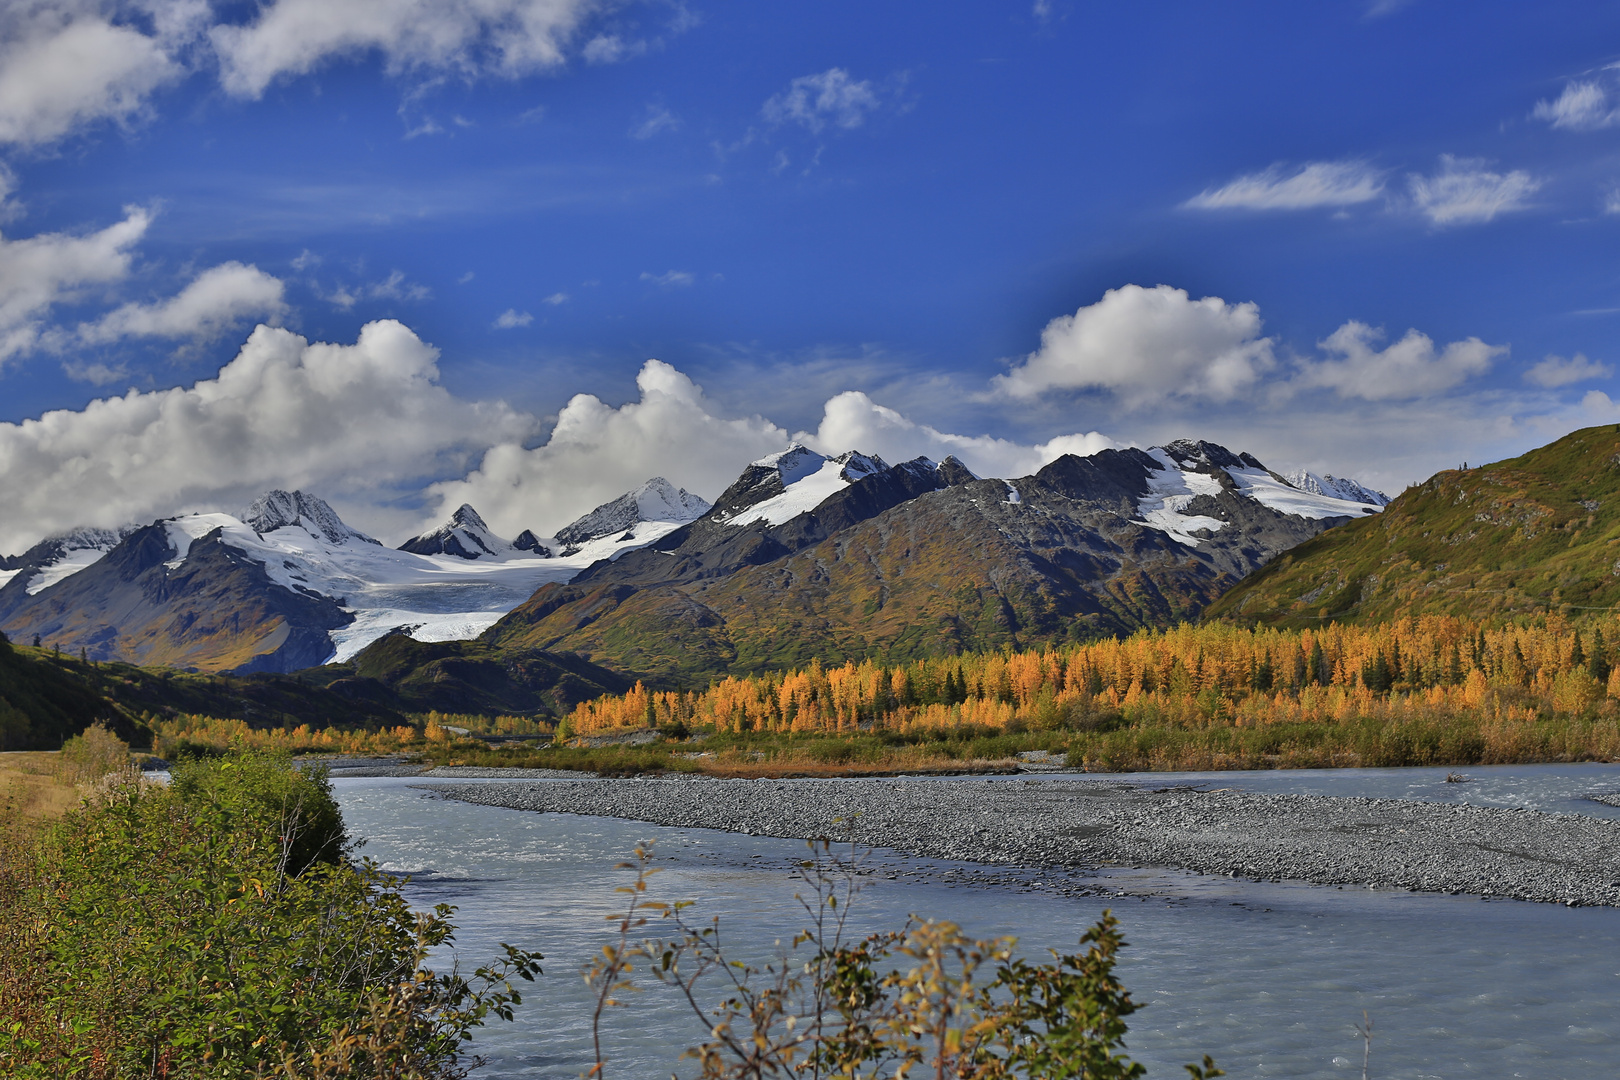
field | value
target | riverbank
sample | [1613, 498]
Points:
[1088, 824]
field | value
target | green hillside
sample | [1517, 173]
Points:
[1533, 534]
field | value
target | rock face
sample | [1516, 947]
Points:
[1527, 535]
[845, 558]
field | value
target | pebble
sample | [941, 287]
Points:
[1081, 824]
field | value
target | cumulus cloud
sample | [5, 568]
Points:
[556, 299]
[1555, 371]
[1317, 183]
[1464, 191]
[40, 271]
[1412, 367]
[216, 300]
[511, 318]
[361, 423]
[1583, 106]
[465, 37]
[1147, 345]
[597, 452]
[61, 68]
[815, 101]
[853, 421]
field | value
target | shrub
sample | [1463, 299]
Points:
[212, 928]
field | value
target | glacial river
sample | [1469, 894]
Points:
[1269, 978]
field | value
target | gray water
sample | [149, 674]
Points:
[1269, 978]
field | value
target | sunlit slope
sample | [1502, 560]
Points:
[1535, 533]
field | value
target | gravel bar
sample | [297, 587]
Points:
[1385, 843]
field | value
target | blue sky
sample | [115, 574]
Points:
[1374, 239]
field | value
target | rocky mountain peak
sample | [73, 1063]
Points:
[465, 536]
[283, 509]
[655, 500]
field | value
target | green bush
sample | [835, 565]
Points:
[212, 928]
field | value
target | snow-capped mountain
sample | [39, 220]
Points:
[285, 509]
[57, 557]
[350, 589]
[807, 556]
[1339, 487]
[467, 537]
[657, 500]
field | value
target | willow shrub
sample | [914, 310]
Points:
[215, 927]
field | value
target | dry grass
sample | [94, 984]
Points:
[32, 788]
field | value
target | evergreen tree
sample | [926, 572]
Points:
[1600, 657]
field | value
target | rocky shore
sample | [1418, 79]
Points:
[1383, 843]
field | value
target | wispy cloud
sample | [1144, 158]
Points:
[669, 279]
[1585, 105]
[511, 318]
[393, 287]
[1314, 184]
[556, 298]
[1465, 192]
[815, 101]
[656, 119]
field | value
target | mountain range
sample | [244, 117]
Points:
[804, 555]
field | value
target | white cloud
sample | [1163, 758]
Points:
[1409, 368]
[463, 37]
[511, 317]
[359, 423]
[1555, 371]
[611, 48]
[669, 279]
[597, 452]
[656, 119]
[61, 68]
[1583, 106]
[216, 300]
[1465, 192]
[815, 101]
[41, 271]
[393, 287]
[556, 299]
[1316, 183]
[853, 421]
[1147, 345]
[305, 259]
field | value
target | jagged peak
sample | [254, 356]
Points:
[654, 500]
[280, 509]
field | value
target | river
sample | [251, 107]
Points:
[1270, 979]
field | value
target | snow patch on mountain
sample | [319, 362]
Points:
[809, 480]
[1336, 487]
[657, 500]
[1170, 490]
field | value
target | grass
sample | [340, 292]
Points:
[32, 788]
